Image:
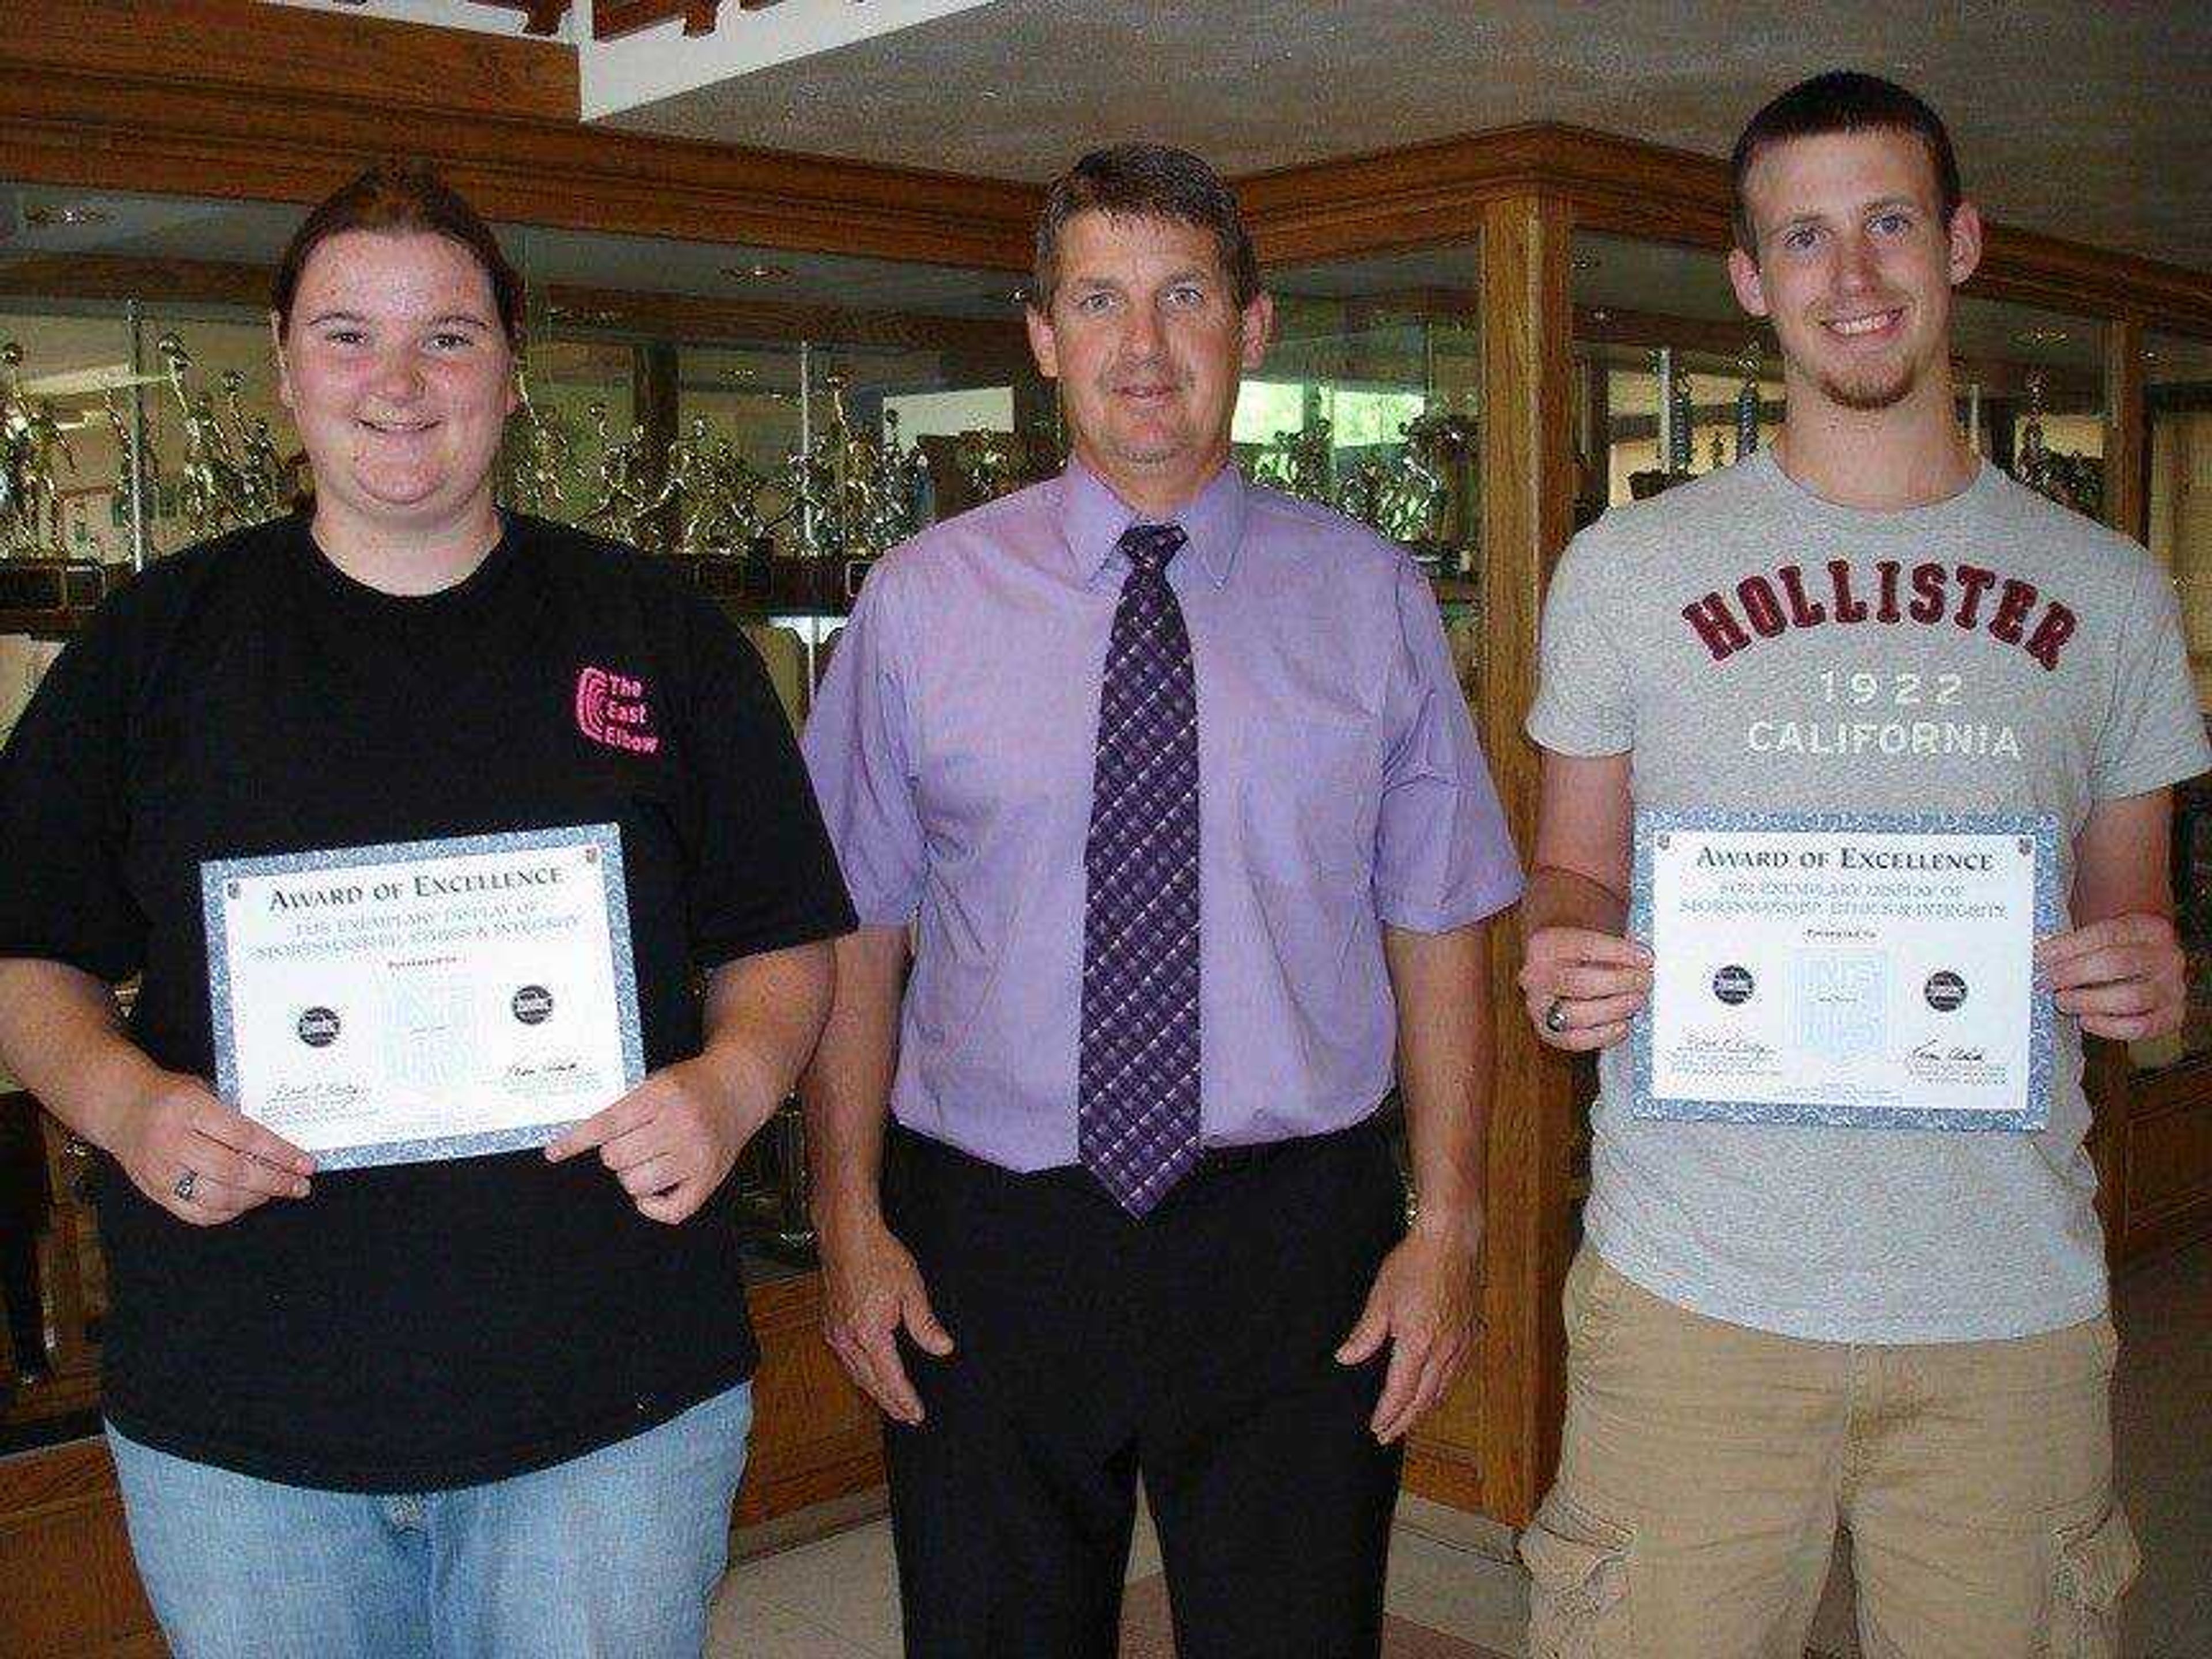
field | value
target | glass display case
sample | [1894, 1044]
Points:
[1370, 398]
[2177, 528]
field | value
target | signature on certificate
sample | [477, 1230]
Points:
[1721, 1042]
[1932, 1049]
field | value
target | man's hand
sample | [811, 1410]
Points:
[180, 1129]
[2123, 976]
[871, 1288]
[1423, 1304]
[672, 1141]
[1582, 987]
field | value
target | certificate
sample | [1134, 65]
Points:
[424, 999]
[1865, 971]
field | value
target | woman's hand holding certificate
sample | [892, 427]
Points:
[672, 1141]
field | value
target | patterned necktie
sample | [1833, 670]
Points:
[1137, 1086]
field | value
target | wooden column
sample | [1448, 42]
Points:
[1492, 1446]
[2126, 439]
[2108, 1074]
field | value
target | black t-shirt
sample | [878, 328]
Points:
[422, 1326]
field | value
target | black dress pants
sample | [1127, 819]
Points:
[1193, 1346]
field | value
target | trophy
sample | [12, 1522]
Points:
[1300, 463]
[1682, 425]
[856, 498]
[1675, 433]
[232, 475]
[539, 453]
[1747, 401]
[623, 467]
[30, 490]
[2072, 481]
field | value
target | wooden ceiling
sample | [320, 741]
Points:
[613, 19]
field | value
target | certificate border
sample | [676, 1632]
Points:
[2041, 828]
[607, 837]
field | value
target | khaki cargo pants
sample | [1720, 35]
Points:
[1706, 1465]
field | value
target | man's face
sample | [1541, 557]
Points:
[1147, 341]
[1854, 266]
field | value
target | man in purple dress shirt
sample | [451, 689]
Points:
[1172, 782]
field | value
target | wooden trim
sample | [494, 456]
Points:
[121, 117]
[2127, 500]
[66, 1557]
[613, 19]
[539, 17]
[119, 277]
[689, 318]
[1527, 514]
[1417, 197]
[254, 49]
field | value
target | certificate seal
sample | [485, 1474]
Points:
[532, 1005]
[319, 1028]
[1734, 985]
[1945, 991]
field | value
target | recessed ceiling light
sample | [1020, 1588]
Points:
[65, 213]
[760, 273]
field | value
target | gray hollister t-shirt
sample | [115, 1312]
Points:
[1754, 646]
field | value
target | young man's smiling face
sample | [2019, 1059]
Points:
[1854, 265]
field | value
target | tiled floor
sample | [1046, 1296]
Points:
[836, 1599]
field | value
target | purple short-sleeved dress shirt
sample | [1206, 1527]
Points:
[1341, 789]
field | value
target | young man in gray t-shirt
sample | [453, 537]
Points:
[1774, 1328]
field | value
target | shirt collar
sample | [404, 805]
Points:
[1092, 518]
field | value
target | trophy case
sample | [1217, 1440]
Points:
[2168, 1152]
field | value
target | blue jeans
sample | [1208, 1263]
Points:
[612, 1555]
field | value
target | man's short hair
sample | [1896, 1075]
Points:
[1143, 181]
[1841, 101]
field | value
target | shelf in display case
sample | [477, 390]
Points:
[53, 596]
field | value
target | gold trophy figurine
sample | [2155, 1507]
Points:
[218, 491]
[30, 491]
[622, 479]
[541, 451]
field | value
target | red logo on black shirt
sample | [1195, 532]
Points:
[612, 709]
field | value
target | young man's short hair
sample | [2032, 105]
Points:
[1841, 101]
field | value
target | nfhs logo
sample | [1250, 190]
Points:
[612, 709]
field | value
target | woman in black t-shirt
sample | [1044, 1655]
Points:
[395, 1403]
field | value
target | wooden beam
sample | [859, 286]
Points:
[2127, 444]
[613, 19]
[294, 54]
[539, 16]
[300, 101]
[1527, 514]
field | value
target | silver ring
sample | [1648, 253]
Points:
[1555, 1017]
[186, 1185]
